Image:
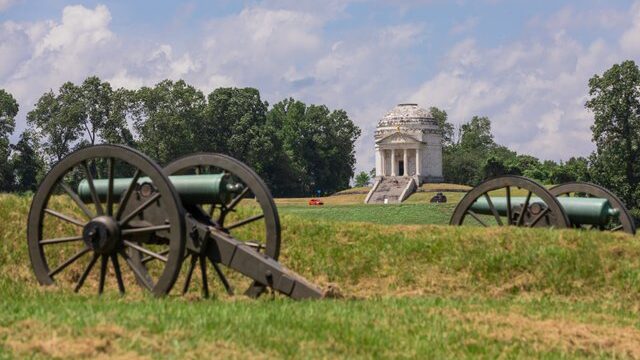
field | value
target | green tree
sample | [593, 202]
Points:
[318, 143]
[578, 168]
[58, 120]
[466, 160]
[166, 118]
[105, 112]
[615, 104]
[27, 165]
[445, 127]
[362, 179]
[234, 123]
[8, 111]
[476, 134]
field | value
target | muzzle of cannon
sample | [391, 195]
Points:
[499, 201]
[113, 205]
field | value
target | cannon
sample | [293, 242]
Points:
[518, 201]
[116, 206]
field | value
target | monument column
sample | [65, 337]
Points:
[382, 162]
[393, 162]
[405, 160]
[418, 161]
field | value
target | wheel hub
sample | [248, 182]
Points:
[102, 234]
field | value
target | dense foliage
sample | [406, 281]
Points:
[298, 149]
[474, 156]
[615, 103]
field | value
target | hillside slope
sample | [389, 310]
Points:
[410, 291]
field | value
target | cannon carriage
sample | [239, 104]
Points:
[126, 209]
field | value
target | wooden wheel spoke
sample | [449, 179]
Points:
[203, 271]
[475, 216]
[60, 240]
[254, 244]
[92, 188]
[103, 273]
[146, 229]
[137, 271]
[125, 198]
[72, 194]
[139, 209]
[509, 215]
[211, 210]
[86, 272]
[538, 217]
[237, 199]
[69, 261]
[244, 222]
[618, 228]
[110, 170]
[145, 251]
[116, 269]
[493, 209]
[222, 278]
[148, 258]
[64, 217]
[192, 267]
[525, 208]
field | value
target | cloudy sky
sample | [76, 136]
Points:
[525, 64]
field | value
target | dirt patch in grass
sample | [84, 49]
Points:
[32, 338]
[563, 334]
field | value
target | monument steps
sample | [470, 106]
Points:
[391, 190]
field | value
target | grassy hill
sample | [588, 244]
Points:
[409, 291]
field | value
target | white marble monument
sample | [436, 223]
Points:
[408, 145]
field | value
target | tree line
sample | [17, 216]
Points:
[298, 149]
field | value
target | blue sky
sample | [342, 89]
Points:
[524, 64]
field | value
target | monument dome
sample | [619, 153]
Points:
[407, 113]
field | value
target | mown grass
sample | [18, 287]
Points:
[411, 291]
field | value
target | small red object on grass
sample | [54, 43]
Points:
[315, 202]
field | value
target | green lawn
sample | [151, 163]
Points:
[409, 291]
[408, 214]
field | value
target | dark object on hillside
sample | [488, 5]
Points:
[129, 210]
[315, 202]
[438, 198]
[577, 204]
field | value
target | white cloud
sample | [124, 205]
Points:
[5, 4]
[534, 90]
[464, 26]
[630, 40]
[81, 29]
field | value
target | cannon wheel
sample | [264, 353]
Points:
[578, 188]
[552, 213]
[217, 214]
[72, 235]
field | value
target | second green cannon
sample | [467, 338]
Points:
[519, 201]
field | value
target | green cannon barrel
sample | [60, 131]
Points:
[586, 211]
[193, 189]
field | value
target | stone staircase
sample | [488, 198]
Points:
[392, 189]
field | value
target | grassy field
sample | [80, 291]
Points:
[410, 289]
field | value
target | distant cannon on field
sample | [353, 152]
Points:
[576, 204]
